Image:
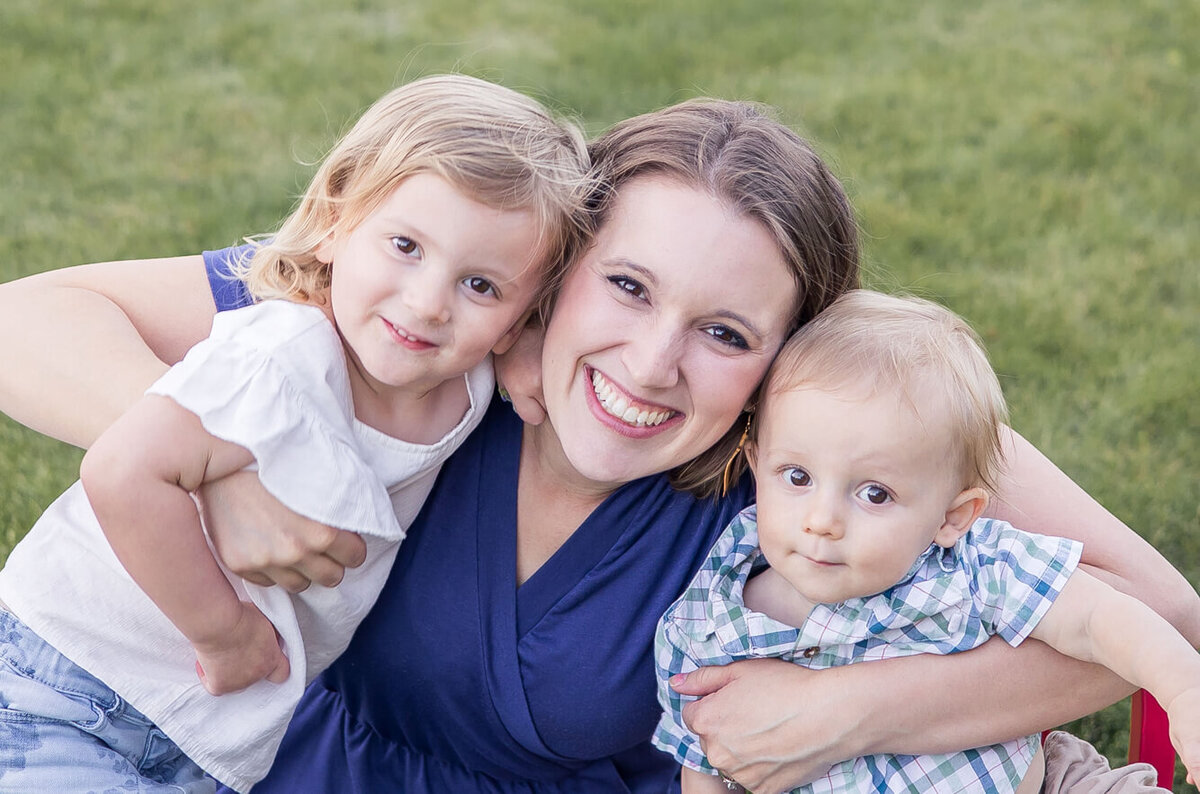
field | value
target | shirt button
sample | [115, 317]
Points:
[811, 652]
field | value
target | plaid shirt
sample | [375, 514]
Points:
[1000, 580]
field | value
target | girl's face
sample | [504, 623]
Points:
[662, 331]
[428, 283]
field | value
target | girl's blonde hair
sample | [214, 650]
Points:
[923, 349]
[493, 144]
[764, 171]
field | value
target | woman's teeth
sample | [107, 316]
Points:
[617, 405]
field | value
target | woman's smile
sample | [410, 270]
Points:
[619, 404]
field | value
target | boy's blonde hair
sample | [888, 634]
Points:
[915, 345]
[493, 144]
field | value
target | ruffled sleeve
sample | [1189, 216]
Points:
[272, 378]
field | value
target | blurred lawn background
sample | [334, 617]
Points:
[1033, 165]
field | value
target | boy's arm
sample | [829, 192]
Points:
[1095, 623]
[1037, 496]
[139, 476]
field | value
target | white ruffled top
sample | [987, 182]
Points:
[271, 377]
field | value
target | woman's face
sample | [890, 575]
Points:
[662, 331]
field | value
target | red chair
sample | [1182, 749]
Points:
[1149, 739]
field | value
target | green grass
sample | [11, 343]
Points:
[1031, 164]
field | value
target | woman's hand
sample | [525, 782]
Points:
[519, 374]
[768, 723]
[265, 543]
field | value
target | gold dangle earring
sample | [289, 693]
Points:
[737, 451]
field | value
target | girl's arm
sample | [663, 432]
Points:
[80, 345]
[139, 477]
[773, 725]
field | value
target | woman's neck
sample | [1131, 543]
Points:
[553, 499]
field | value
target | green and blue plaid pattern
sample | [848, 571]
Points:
[996, 580]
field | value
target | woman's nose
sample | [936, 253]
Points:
[652, 356]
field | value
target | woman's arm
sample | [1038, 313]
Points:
[81, 344]
[773, 725]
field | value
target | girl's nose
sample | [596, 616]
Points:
[428, 296]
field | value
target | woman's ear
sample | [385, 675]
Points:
[960, 515]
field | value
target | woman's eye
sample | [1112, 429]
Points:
[406, 246]
[479, 285]
[628, 285]
[875, 494]
[728, 336]
[797, 477]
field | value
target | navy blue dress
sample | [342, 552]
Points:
[459, 681]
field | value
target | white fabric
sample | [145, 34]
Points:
[272, 378]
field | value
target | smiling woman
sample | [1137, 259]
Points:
[676, 310]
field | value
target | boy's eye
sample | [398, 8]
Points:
[628, 285]
[797, 477]
[728, 336]
[479, 285]
[875, 494]
[405, 245]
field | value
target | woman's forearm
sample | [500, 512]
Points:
[935, 704]
[80, 345]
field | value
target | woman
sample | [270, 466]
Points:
[516, 656]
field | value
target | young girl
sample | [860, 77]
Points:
[877, 437]
[423, 242]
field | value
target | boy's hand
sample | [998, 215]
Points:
[1184, 714]
[246, 655]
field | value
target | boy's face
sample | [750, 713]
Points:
[852, 487]
[428, 283]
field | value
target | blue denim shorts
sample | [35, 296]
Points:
[63, 730]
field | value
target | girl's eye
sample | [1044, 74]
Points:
[726, 335]
[797, 477]
[406, 246]
[875, 494]
[479, 285]
[629, 286]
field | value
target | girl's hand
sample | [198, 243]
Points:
[243, 656]
[265, 543]
[1183, 712]
[519, 373]
[752, 728]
